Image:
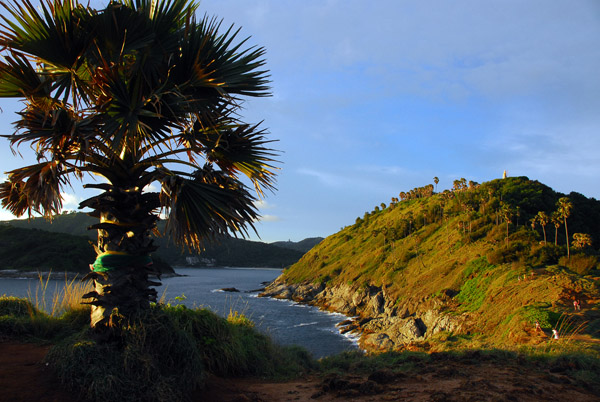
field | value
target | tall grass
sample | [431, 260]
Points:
[60, 301]
[45, 316]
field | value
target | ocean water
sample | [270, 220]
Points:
[286, 322]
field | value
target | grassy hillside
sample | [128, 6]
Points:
[471, 250]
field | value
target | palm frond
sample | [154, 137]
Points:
[18, 78]
[206, 207]
[34, 188]
[207, 67]
[56, 35]
[241, 148]
[58, 132]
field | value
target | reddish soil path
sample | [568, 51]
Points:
[24, 378]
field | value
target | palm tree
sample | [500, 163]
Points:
[581, 240]
[556, 221]
[507, 213]
[138, 93]
[436, 180]
[564, 209]
[543, 219]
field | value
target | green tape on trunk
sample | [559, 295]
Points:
[109, 262]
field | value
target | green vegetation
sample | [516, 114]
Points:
[474, 251]
[33, 249]
[47, 239]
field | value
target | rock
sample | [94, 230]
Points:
[359, 297]
[383, 323]
[305, 293]
[382, 376]
[377, 341]
[335, 383]
[407, 329]
[375, 305]
[229, 290]
[435, 322]
[369, 388]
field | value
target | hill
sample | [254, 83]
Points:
[34, 249]
[465, 266]
[229, 252]
[302, 245]
[43, 251]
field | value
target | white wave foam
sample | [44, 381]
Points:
[303, 324]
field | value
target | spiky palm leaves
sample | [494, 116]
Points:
[137, 93]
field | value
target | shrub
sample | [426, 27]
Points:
[16, 307]
[165, 354]
[513, 252]
[579, 263]
[548, 254]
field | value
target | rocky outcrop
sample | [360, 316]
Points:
[382, 321]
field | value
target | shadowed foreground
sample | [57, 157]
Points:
[23, 377]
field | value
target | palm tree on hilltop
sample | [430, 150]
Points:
[137, 93]
[556, 221]
[543, 219]
[564, 209]
[508, 213]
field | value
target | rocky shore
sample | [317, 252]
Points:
[383, 322]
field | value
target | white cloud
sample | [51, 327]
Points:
[70, 200]
[7, 216]
[269, 218]
[263, 204]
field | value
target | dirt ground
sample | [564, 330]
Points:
[23, 377]
[442, 381]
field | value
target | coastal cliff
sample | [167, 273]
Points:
[381, 322]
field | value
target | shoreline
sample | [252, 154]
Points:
[45, 275]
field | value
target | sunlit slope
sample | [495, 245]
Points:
[470, 250]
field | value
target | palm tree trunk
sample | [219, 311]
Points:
[544, 229]
[567, 234]
[123, 264]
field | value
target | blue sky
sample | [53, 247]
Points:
[371, 98]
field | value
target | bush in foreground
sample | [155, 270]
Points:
[166, 354]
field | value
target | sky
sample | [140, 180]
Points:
[371, 98]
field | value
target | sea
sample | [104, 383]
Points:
[285, 321]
